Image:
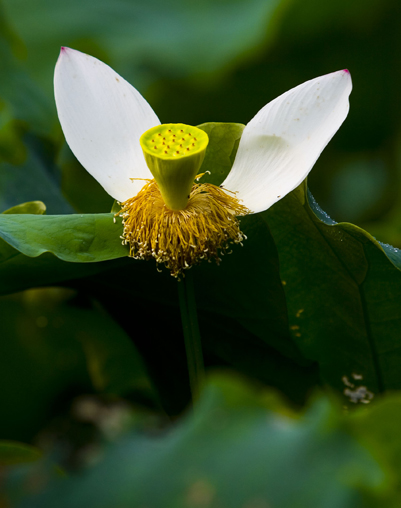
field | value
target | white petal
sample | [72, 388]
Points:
[280, 145]
[103, 117]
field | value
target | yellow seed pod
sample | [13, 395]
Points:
[174, 153]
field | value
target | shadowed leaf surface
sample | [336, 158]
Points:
[343, 295]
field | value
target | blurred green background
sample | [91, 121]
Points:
[195, 62]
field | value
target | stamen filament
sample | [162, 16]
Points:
[181, 238]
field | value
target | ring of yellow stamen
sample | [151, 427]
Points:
[180, 238]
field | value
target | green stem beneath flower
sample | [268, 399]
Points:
[193, 345]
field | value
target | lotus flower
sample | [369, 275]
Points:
[150, 168]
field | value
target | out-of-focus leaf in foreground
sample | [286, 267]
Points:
[233, 451]
[12, 452]
[379, 429]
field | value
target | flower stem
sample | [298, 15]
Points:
[192, 337]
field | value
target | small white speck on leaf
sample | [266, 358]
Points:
[356, 394]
